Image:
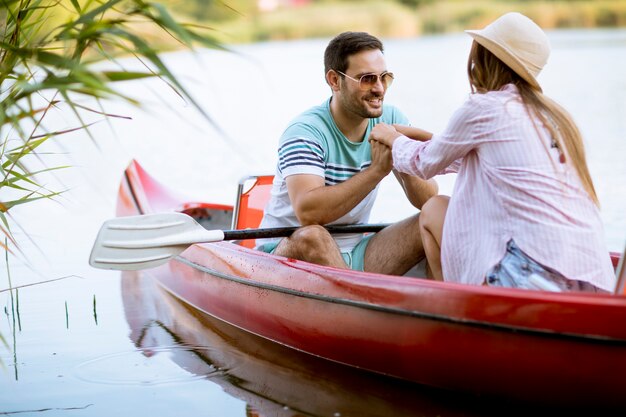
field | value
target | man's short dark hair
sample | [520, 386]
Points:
[346, 44]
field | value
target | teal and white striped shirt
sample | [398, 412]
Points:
[313, 144]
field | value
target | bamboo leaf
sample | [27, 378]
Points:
[28, 147]
[116, 76]
[93, 15]
[10, 204]
[62, 132]
[55, 60]
[118, 116]
[30, 113]
[76, 5]
[6, 230]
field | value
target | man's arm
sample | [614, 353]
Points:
[316, 203]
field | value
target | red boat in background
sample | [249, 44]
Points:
[535, 346]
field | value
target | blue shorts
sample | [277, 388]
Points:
[355, 259]
[518, 270]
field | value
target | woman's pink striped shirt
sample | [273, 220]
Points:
[510, 185]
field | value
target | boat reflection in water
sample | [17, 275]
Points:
[274, 380]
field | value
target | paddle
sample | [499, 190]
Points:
[146, 241]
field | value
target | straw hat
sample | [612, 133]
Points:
[518, 42]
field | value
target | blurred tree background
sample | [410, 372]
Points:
[260, 20]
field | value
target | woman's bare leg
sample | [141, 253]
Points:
[431, 221]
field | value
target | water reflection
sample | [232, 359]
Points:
[272, 379]
[14, 318]
[158, 365]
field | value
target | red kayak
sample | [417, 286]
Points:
[272, 379]
[535, 346]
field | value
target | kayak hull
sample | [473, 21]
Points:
[549, 348]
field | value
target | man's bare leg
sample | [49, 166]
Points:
[312, 244]
[395, 249]
[431, 230]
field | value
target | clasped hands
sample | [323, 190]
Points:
[385, 134]
[381, 139]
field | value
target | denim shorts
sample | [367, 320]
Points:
[518, 270]
[355, 259]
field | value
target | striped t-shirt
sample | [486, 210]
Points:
[313, 144]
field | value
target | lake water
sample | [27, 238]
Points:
[96, 343]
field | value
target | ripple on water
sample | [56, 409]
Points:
[150, 366]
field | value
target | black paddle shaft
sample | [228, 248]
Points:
[287, 231]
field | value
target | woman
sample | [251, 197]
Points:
[524, 212]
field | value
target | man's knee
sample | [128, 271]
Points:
[311, 237]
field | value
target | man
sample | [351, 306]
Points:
[328, 171]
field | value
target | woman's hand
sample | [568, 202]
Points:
[384, 133]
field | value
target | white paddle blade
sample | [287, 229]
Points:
[146, 241]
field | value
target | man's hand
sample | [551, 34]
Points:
[381, 158]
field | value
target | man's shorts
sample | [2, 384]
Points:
[355, 259]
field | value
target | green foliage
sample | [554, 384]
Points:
[451, 15]
[48, 49]
[398, 18]
[214, 10]
[415, 3]
[324, 19]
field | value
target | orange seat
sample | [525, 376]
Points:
[253, 193]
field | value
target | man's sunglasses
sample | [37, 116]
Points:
[368, 81]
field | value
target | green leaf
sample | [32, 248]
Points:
[76, 5]
[10, 204]
[116, 76]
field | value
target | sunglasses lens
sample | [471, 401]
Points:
[387, 79]
[368, 81]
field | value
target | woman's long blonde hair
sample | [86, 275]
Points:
[487, 73]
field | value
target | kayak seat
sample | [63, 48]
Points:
[253, 193]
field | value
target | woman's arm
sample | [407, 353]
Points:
[414, 132]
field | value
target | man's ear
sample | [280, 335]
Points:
[332, 79]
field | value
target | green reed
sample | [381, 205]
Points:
[48, 52]
[50, 56]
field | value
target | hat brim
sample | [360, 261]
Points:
[505, 56]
